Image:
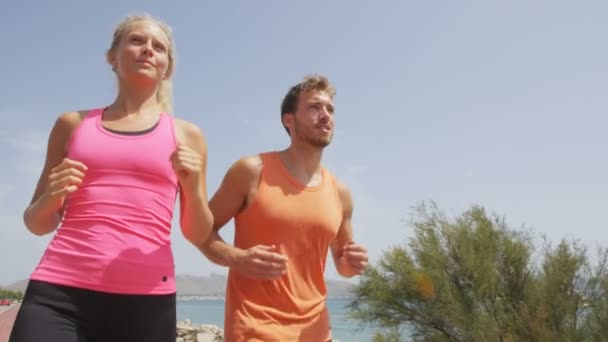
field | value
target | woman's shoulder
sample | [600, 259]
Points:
[186, 127]
[189, 133]
[68, 121]
[72, 118]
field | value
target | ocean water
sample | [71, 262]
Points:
[212, 312]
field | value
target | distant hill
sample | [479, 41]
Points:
[214, 285]
[17, 286]
[189, 285]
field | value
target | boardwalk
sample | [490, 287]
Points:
[6, 322]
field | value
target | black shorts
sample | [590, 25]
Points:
[61, 313]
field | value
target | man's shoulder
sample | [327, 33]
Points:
[250, 162]
[247, 166]
[341, 187]
[254, 162]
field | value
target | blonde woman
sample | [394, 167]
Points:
[108, 189]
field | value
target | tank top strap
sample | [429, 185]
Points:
[273, 170]
[332, 183]
[94, 113]
[169, 120]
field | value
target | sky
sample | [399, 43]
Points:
[495, 103]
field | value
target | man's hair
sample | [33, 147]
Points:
[310, 82]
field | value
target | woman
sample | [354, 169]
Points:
[109, 184]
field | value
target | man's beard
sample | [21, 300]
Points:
[320, 142]
[316, 141]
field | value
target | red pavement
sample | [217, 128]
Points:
[6, 322]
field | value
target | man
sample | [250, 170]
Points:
[289, 211]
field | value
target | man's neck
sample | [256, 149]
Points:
[304, 163]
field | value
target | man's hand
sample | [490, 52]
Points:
[354, 257]
[261, 262]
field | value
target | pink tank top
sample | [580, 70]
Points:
[115, 235]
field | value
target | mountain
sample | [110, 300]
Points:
[189, 285]
[16, 286]
[214, 285]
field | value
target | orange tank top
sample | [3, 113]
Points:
[301, 221]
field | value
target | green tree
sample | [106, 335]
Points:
[472, 278]
[8, 294]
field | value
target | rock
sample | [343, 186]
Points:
[205, 337]
[188, 332]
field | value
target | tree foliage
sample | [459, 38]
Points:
[13, 295]
[472, 278]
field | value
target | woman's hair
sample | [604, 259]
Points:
[165, 91]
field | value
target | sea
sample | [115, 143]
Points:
[211, 311]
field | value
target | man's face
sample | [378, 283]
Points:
[313, 121]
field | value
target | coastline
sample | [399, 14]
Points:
[192, 298]
[183, 298]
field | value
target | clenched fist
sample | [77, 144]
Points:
[355, 257]
[188, 166]
[63, 179]
[261, 262]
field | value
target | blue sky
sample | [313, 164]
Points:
[471, 102]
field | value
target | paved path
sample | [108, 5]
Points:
[7, 317]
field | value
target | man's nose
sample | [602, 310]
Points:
[325, 114]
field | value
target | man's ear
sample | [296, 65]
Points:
[288, 120]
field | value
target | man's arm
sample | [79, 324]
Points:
[350, 258]
[226, 203]
[234, 195]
